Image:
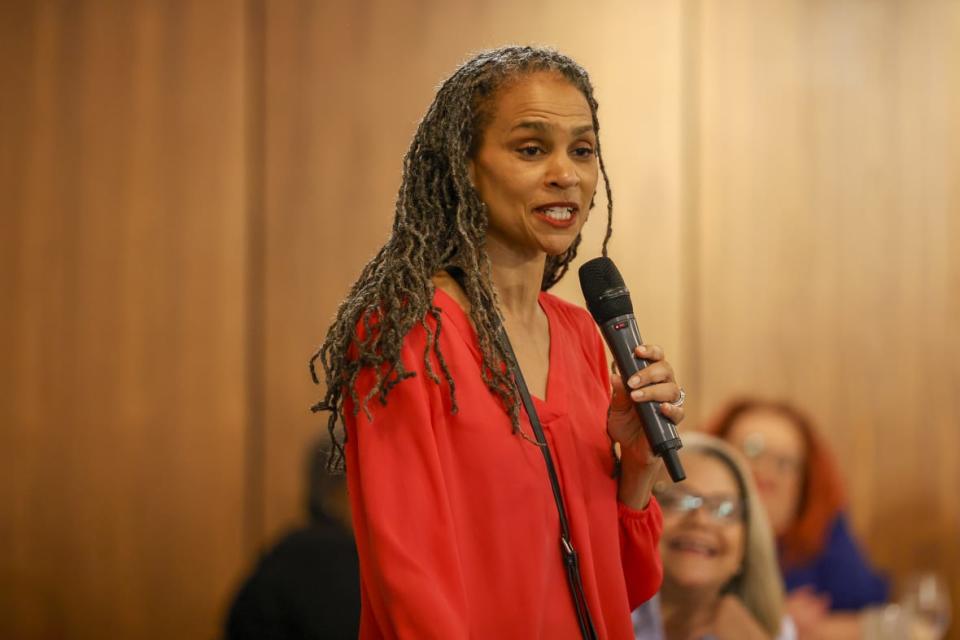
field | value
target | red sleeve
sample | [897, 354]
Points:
[639, 549]
[401, 513]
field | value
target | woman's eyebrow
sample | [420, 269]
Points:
[543, 127]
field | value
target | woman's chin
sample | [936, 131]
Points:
[697, 583]
[557, 246]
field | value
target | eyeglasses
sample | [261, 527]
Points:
[722, 509]
[755, 449]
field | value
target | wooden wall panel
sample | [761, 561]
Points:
[829, 214]
[190, 188]
[123, 325]
[346, 86]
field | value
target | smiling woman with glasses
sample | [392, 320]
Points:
[720, 570]
[720, 508]
[829, 579]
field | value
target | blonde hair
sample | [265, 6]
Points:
[758, 584]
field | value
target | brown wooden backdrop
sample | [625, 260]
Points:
[188, 189]
[124, 324]
[829, 222]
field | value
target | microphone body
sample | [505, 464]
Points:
[623, 338]
[609, 302]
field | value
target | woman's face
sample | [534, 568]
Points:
[777, 455]
[536, 167]
[704, 534]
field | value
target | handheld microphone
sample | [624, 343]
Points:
[609, 302]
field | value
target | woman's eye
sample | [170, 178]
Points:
[530, 151]
[583, 152]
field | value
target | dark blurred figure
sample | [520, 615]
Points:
[308, 585]
[829, 579]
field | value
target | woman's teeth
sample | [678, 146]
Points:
[696, 547]
[558, 213]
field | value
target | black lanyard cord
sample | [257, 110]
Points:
[567, 551]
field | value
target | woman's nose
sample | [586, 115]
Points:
[562, 173]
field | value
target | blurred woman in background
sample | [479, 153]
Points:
[721, 579]
[827, 577]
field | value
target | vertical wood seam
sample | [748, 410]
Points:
[692, 373]
[255, 437]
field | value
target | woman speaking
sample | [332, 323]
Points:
[479, 421]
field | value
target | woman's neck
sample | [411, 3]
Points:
[686, 611]
[517, 279]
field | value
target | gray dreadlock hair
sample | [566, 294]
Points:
[440, 222]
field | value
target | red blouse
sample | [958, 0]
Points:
[455, 521]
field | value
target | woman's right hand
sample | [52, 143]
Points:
[811, 614]
[807, 609]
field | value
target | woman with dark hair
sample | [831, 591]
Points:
[457, 521]
[827, 577]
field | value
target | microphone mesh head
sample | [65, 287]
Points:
[604, 290]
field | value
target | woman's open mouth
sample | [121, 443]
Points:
[557, 215]
[697, 547]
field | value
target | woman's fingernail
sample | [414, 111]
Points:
[633, 382]
[636, 395]
[642, 349]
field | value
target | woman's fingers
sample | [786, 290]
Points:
[674, 413]
[653, 373]
[653, 383]
[650, 352]
[662, 392]
[665, 394]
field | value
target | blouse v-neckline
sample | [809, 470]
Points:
[555, 401]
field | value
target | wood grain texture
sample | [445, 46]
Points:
[829, 217]
[121, 462]
[189, 189]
